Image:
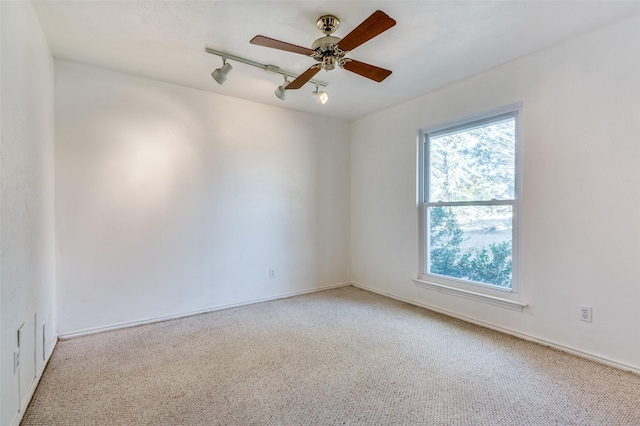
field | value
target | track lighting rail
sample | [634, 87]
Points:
[269, 68]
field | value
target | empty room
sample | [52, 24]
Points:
[310, 213]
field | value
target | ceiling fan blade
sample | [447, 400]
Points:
[303, 78]
[370, 71]
[374, 25]
[280, 45]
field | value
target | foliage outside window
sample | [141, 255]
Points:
[469, 201]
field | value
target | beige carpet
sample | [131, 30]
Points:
[337, 357]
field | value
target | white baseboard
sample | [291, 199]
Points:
[18, 417]
[93, 330]
[554, 345]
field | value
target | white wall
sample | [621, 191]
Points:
[27, 270]
[171, 200]
[580, 211]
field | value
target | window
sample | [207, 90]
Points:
[469, 201]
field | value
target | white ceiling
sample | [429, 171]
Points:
[433, 44]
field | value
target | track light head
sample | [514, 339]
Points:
[281, 91]
[220, 74]
[320, 96]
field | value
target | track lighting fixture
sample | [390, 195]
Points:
[320, 95]
[281, 91]
[220, 74]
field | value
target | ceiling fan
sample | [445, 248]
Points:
[330, 50]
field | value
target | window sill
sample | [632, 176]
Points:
[493, 300]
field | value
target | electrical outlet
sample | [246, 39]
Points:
[585, 313]
[272, 273]
[16, 361]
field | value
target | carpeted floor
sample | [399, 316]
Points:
[343, 356]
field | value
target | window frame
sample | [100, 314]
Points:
[469, 122]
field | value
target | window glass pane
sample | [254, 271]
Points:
[471, 243]
[472, 164]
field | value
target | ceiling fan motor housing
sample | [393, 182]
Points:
[326, 43]
[327, 52]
